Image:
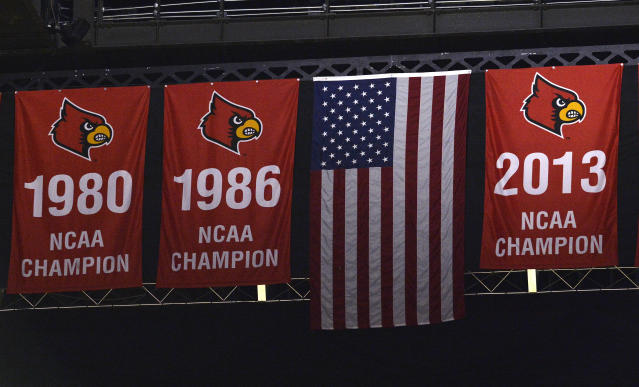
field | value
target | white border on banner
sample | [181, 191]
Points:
[394, 75]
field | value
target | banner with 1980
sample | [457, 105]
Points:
[78, 178]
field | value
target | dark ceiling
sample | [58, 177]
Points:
[21, 27]
[27, 45]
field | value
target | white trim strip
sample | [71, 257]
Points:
[423, 201]
[448, 166]
[401, 75]
[326, 250]
[399, 203]
[374, 246]
[350, 247]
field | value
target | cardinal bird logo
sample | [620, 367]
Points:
[79, 130]
[550, 106]
[227, 123]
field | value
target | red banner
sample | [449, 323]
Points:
[637, 246]
[551, 167]
[78, 178]
[227, 183]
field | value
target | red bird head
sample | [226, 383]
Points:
[550, 106]
[227, 124]
[78, 130]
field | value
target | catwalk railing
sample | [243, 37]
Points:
[476, 282]
[146, 10]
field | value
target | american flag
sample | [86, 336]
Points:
[387, 200]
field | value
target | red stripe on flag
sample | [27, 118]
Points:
[339, 317]
[459, 195]
[315, 223]
[363, 313]
[412, 134]
[434, 256]
[387, 248]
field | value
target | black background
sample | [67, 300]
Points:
[550, 339]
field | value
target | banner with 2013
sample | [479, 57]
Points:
[551, 167]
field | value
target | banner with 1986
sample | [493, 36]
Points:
[227, 183]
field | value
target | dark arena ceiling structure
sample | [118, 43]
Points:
[578, 328]
[118, 33]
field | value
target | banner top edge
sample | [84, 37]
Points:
[394, 75]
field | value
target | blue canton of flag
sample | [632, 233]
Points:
[353, 123]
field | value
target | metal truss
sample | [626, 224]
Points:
[476, 283]
[309, 68]
[149, 295]
[552, 281]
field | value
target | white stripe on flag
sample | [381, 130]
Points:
[350, 247]
[374, 245]
[423, 197]
[448, 164]
[326, 264]
[399, 203]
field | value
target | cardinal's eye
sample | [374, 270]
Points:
[88, 126]
[560, 102]
[237, 120]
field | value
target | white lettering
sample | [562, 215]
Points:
[513, 243]
[232, 236]
[71, 267]
[528, 247]
[217, 238]
[555, 221]
[236, 256]
[176, 266]
[596, 243]
[108, 264]
[258, 254]
[189, 261]
[123, 263]
[86, 263]
[68, 241]
[55, 269]
[204, 262]
[25, 272]
[246, 234]
[97, 239]
[527, 220]
[560, 242]
[542, 225]
[570, 220]
[40, 268]
[55, 242]
[499, 248]
[204, 235]
[544, 246]
[220, 261]
[271, 257]
[583, 247]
